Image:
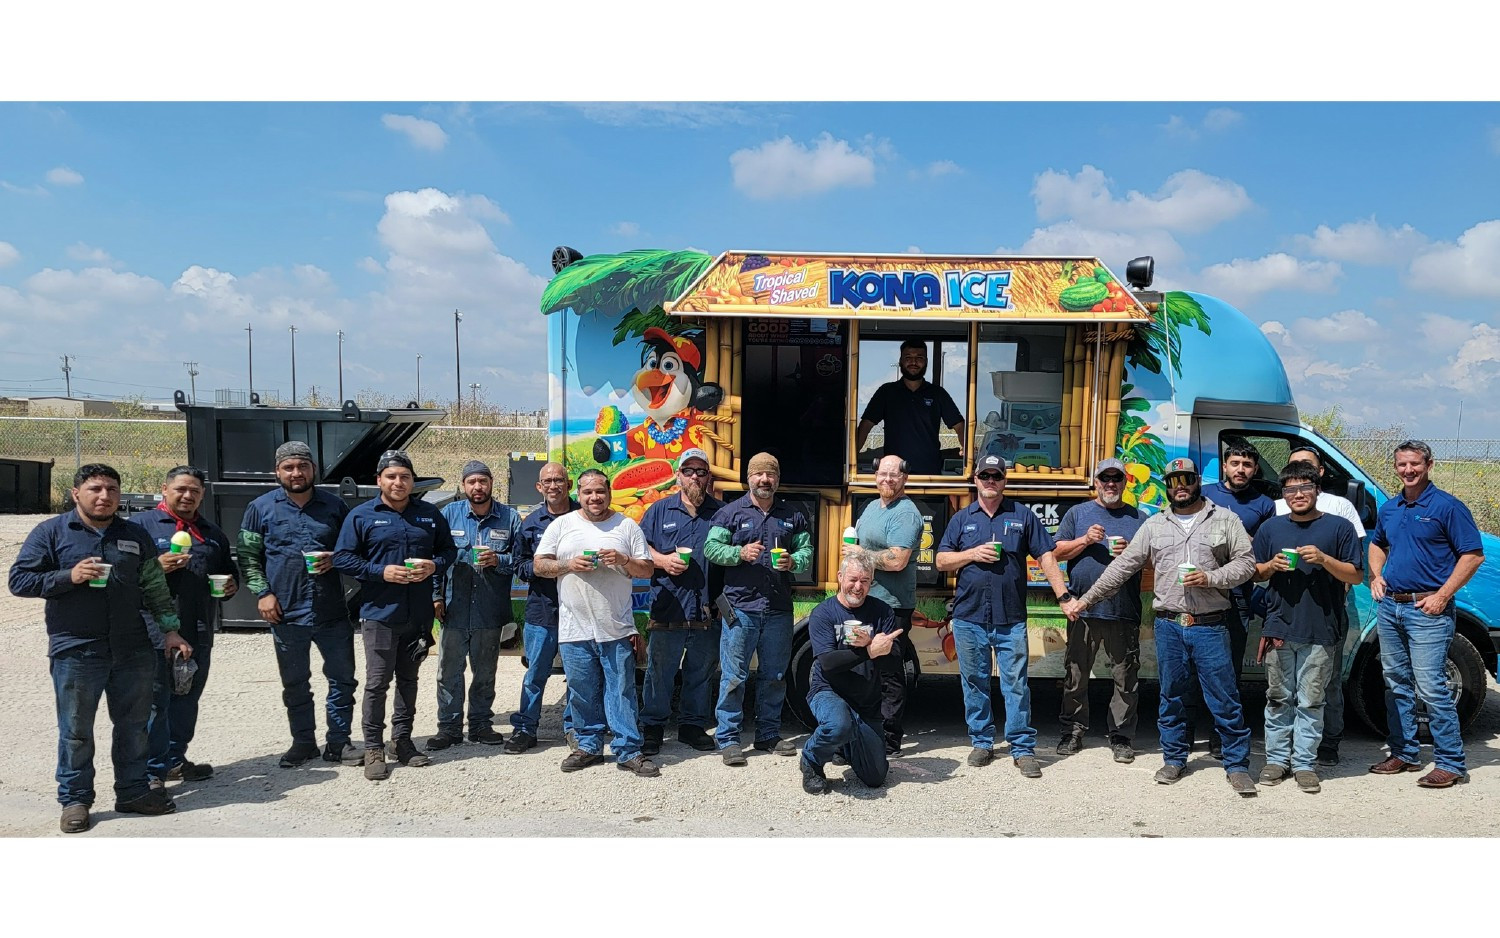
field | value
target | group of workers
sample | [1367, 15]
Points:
[130, 613]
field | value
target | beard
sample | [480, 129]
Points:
[296, 488]
[763, 491]
[100, 518]
[1192, 496]
[913, 372]
[1111, 501]
[692, 490]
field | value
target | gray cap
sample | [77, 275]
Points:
[294, 449]
[991, 462]
[394, 457]
[1107, 464]
[475, 468]
[693, 453]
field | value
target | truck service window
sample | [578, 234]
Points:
[1019, 393]
[902, 418]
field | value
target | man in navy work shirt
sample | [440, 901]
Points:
[849, 632]
[475, 608]
[174, 717]
[539, 632]
[1305, 624]
[913, 411]
[987, 544]
[282, 532]
[762, 541]
[394, 545]
[1091, 535]
[1425, 547]
[97, 573]
[684, 629]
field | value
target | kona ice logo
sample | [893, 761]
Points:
[954, 289]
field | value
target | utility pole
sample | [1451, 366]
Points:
[294, 366]
[68, 374]
[419, 379]
[474, 399]
[192, 369]
[250, 350]
[458, 380]
[341, 368]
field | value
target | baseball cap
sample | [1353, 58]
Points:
[990, 462]
[693, 453]
[1106, 465]
[1182, 466]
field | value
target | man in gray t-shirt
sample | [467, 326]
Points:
[1091, 535]
[890, 528]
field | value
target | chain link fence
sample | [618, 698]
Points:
[141, 450]
[443, 450]
[1470, 469]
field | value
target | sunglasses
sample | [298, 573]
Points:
[1112, 479]
[990, 476]
[700, 473]
[1186, 478]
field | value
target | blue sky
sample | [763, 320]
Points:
[1364, 238]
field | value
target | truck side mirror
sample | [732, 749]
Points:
[1363, 504]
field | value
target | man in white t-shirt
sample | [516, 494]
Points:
[1329, 504]
[594, 553]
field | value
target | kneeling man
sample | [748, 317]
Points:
[848, 632]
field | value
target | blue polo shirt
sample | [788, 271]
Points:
[541, 593]
[196, 609]
[689, 596]
[1423, 538]
[287, 530]
[106, 619]
[913, 420]
[757, 587]
[1251, 507]
[995, 593]
[480, 599]
[376, 535]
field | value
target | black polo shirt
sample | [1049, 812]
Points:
[913, 420]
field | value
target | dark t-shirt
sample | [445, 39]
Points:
[1307, 604]
[1084, 570]
[846, 671]
[913, 420]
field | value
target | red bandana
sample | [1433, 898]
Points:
[191, 527]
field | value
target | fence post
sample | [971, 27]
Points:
[77, 444]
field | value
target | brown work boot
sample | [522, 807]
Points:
[375, 767]
[1394, 766]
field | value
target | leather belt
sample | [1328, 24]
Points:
[1410, 597]
[1187, 619]
[689, 626]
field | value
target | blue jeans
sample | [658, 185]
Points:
[696, 651]
[79, 677]
[335, 641]
[768, 636]
[1414, 656]
[975, 641]
[174, 717]
[481, 649]
[1297, 677]
[1204, 648]
[601, 694]
[539, 644]
[841, 730]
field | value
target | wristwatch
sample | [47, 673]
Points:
[1066, 597]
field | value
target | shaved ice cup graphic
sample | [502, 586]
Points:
[613, 428]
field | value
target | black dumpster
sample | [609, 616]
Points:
[25, 486]
[235, 447]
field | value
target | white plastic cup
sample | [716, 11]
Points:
[1116, 543]
[852, 627]
[1183, 569]
[216, 584]
[102, 579]
[311, 558]
[592, 556]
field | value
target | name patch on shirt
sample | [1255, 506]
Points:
[457, 532]
[669, 526]
[129, 547]
[970, 527]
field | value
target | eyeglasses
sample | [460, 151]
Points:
[889, 475]
[553, 481]
[1306, 489]
[989, 476]
[700, 473]
[1112, 479]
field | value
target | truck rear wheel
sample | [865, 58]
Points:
[799, 677]
[1466, 678]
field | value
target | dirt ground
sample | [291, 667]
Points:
[479, 791]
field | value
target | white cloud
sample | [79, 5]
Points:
[939, 168]
[1443, 331]
[1215, 120]
[1469, 268]
[1188, 200]
[913, 249]
[370, 265]
[783, 168]
[1348, 325]
[8, 254]
[658, 114]
[1364, 242]
[423, 134]
[90, 255]
[625, 229]
[9, 186]
[1112, 247]
[1477, 363]
[94, 287]
[63, 176]
[1241, 278]
[1221, 118]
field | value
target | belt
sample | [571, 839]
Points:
[1186, 619]
[698, 625]
[1411, 597]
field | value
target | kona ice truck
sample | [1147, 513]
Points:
[1053, 361]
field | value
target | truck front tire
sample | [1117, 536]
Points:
[1466, 676]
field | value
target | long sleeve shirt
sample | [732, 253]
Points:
[757, 587]
[274, 533]
[1216, 544]
[475, 598]
[541, 591]
[375, 536]
[196, 609]
[79, 615]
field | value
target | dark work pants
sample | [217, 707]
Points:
[335, 641]
[1122, 645]
[891, 669]
[174, 717]
[388, 654]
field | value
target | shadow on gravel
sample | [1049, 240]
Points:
[258, 781]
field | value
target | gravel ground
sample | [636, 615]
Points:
[475, 790]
